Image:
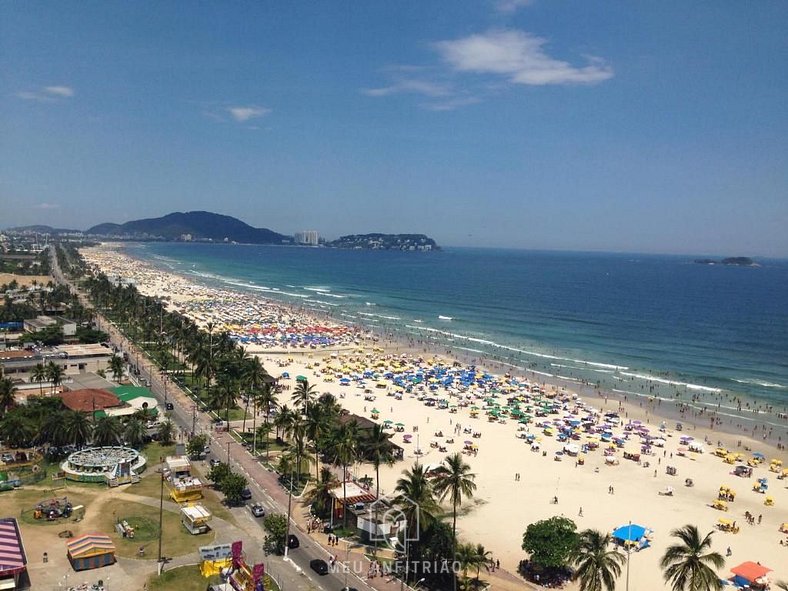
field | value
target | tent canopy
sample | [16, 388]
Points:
[90, 545]
[750, 570]
[12, 551]
[629, 533]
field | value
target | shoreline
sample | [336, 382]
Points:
[504, 504]
[697, 412]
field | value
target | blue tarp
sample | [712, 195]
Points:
[629, 533]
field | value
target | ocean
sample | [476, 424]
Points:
[640, 324]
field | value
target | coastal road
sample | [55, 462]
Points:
[293, 571]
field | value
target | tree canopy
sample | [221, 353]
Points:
[551, 542]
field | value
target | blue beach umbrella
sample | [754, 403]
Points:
[629, 533]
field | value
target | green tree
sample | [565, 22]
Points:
[165, 432]
[232, 488]
[551, 542]
[77, 427]
[304, 396]
[596, 565]
[39, 375]
[318, 495]
[345, 452]
[378, 449]
[196, 446]
[107, 431]
[689, 565]
[116, 366]
[454, 479]
[55, 374]
[134, 433]
[276, 526]
[16, 430]
[218, 473]
[7, 395]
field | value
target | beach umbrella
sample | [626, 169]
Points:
[399, 424]
[387, 421]
[629, 533]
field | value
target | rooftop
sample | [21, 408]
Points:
[90, 399]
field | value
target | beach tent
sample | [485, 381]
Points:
[13, 561]
[90, 551]
[750, 572]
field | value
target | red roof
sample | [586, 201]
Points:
[90, 399]
[750, 570]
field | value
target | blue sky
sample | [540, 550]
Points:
[549, 124]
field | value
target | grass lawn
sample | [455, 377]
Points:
[188, 578]
[22, 501]
[150, 487]
[153, 451]
[145, 520]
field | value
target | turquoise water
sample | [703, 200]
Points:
[632, 323]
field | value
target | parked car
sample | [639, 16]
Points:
[258, 510]
[319, 566]
[168, 406]
[214, 462]
[246, 494]
[292, 542]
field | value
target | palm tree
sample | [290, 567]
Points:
[116, 365]
[345, 444]
[77, 427]
[264, 432]
[319, 493]
[304, 395]
[39, 374]
[483, 557]
[416, 499]
[108, 431]
[686, 566]
[283, 421]
[377, 448]
[316, 427]
[16, 430]
[454, 479]
[597, 565]
[55, 373]
[7, 394]
[134, 433]
[254, 376]
[466, 556]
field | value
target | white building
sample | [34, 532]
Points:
[307, 237]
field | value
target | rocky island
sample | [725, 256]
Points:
[384, 242]
[734, 261]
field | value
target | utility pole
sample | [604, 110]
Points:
[228, 452]
[161, 511]
[194, 418]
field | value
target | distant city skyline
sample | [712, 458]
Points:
[548, 125]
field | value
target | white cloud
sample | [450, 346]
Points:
[520, 57]
[47, 206]
[242, 114]
[47, 94]
[452, 103]
[412, 86]
[510, 6]
[62, 91]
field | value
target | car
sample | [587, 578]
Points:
[168, 406]
[349, 589]
[319, 566]
[246, 494]
[257, 510]
[292, 542]
[214, 462]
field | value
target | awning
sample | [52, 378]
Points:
[750, 570]
[12, 552]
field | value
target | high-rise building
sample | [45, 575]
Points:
[307, 237]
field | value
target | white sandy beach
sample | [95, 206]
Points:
[503, 507]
